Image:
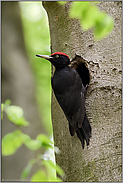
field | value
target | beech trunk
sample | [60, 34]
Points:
[101, 161]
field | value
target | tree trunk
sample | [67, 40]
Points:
[101, 161]
[18, 86]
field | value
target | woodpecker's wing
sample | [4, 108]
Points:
[69, 92]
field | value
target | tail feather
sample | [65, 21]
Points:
[81, 136]
[84, 133]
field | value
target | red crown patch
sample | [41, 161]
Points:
[59, 53]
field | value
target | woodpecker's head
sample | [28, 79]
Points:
[58, 59]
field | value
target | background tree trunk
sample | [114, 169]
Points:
[18, 86]
[101, 161]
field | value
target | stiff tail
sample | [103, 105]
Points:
[84, 133]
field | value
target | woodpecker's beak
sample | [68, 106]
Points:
[45, 56]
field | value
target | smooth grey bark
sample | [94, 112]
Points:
[101, 161]
[18, 86]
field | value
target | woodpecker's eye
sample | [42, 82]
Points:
[56, 56]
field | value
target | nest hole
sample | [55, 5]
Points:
[79, 64]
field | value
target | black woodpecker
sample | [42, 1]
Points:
[70, 94]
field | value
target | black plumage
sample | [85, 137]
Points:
[70, 94]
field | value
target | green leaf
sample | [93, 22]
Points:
[104, 26]
[26, 138]
[7, 102]
[56, 167]
[44, 139]
[39, 176]
[11, 142]
[16, 111]
[52, 177]
[78, 9]
[2, 107]
[30, 143]
[90, 16]
[62, 2]
[33, 144]
[15, 115]
[27, 169]
[21, 122]
[59, 170]
[57, 180]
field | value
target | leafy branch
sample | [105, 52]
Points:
[91, 17]
[14, 140]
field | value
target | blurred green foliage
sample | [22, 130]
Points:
[11, 142]
[91, 17]
[37, 40]
[14, 140]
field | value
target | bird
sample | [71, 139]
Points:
[70, 94]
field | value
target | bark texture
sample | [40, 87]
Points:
[18, 86]
[101, 161]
